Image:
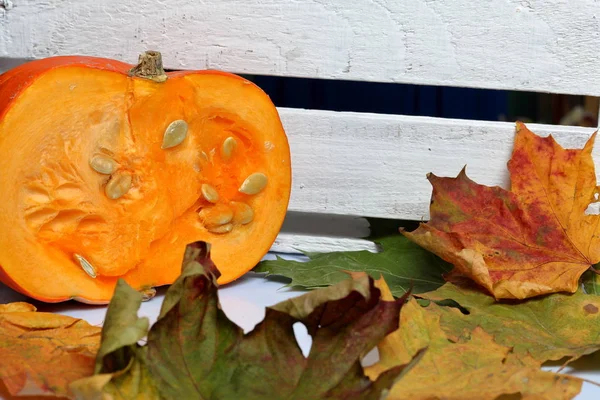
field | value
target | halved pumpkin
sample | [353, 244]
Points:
[109, 172]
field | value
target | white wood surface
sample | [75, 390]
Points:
[292, 243]
[538, 45]
[375, 165]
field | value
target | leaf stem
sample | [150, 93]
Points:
[594, 270]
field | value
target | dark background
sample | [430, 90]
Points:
[432, 101]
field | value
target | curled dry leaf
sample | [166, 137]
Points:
[42, 353]
[17, 307]
[474, 368]
[194, 351]
[531, 240]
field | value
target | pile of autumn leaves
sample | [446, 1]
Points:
[492, 287]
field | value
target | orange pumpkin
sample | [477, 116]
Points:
[109, 171]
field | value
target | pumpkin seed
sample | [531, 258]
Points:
[117, 186]
[221, 228]
[85, 265]
[219, 214]
[148, 294]
[198, 164]
[223, 219]
[175, 134]
[103, 164]
[243, 213]
[228, 148]
[209, 193]
[254, 183]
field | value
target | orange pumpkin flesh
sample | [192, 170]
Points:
[58, 114]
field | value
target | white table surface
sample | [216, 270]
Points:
[244, 302]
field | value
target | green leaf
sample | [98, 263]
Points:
[590, 282]
[403, 264]
[548, 328]
[194, 351]
[122, 327]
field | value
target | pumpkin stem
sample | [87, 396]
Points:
[150, 66]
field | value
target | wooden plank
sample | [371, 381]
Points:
[375, 165]
[308, 232]
[294, 244]
[537, 45]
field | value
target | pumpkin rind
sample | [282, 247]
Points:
[62, 117]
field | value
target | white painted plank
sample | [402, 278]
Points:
[375, 165]
[293, 244]
[539, 45]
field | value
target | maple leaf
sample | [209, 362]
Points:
[531, 240]
[403, 264]
[546, 328]
[194, 351]
[475, 367]
[42, 353]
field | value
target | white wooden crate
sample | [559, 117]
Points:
[347, 164]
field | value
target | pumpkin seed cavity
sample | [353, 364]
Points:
[103, 164]
[209, 193]
[118, 185]
[85, 265]
[228, 148]
[175, 133]
[254, 184]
